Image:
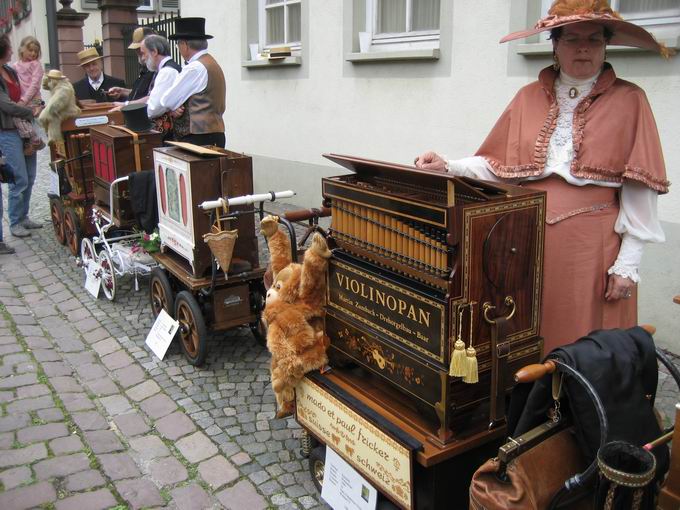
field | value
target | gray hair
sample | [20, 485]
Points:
[157, 43]
[197, 44]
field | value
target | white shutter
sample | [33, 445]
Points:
[168, 5]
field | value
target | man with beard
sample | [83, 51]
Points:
[141, 86]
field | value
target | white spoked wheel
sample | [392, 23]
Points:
[87, 253]
[108, 275]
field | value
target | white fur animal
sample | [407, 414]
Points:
[60, 106]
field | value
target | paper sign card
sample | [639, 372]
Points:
[161, 334]
[345, 489]
[93, 281]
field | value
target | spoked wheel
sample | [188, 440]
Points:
[57, 213]
[259, 330]
[192, 330]
[317, 464]
[72, 230]
[87, 253]
[160, 293]
[108, 276]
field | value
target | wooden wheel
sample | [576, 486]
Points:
[192, 330]
[57, 213]
[72, 230]
[259, 330]
[160, 293]
[108, 276]
[87, 253]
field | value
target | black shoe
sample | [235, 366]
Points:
[5, 250]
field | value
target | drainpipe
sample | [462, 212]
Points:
[51, 9]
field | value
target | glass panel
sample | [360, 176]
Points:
[275, 25]
[425, 15]
[294, 23]
[173, 193]
[649, 8]
[391, 16]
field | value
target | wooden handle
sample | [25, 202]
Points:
[307, 214]
[676, 299]
[531, 373]
[648, 328]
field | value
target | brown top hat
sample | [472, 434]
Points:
[136, 117]
[567, 12]
[189, 28]
[138, 36]
[88, 55]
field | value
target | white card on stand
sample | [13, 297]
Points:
[93, 281]
[343, 488]
[161, 334]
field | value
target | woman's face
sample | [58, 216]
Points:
[580, 49]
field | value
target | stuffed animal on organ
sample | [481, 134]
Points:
[61, 105]
[294, 313]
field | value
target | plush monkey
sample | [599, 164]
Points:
[60, 106]
[294, 313]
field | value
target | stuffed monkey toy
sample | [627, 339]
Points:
[60, 106]
[294, 313]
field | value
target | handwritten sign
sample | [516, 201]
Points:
[161, 334]
[345, 489]
[376, 455]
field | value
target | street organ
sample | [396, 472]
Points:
[422, 260]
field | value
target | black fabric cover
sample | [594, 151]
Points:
[143, 199]
[621, 365]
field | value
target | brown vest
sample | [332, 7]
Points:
[203, 110]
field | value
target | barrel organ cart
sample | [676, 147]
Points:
[421, 261]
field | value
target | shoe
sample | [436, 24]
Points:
[30, 224]
[19, 231]
[5, 250]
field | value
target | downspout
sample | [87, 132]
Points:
[52, 41]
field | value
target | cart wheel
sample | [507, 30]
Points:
[259, 330]
[160, 293]
[108, 276]
[57, 213]
[87, 252]
[317, 463]
[192, 331]
[72, 231]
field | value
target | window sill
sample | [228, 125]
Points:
[397, 55]
[279, 62]
[546, 48]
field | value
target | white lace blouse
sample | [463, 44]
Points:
[637, 222]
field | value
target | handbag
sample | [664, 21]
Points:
[6, 174]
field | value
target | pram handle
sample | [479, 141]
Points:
[246, 199]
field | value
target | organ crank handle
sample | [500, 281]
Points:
[487, 307]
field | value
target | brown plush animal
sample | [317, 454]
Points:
[294, 313]
[60, 106]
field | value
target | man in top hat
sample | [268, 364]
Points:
[96, 83]
[200, 88]
[141, 86]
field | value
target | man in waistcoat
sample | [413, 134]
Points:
[199, 91]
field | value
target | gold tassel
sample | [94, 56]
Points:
[458, 363]
[471, 367]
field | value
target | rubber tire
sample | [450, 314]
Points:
[57, 215]
[72, 231]
[190, 317]
[317, 461]
[259, 330]
[160, 283]
[105, 261]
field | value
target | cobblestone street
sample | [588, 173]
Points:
[90, 418]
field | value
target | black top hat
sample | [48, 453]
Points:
[189, 28]
[136, 118]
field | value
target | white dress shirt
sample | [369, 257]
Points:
[164, 79]
[192, 80]
[96, 84]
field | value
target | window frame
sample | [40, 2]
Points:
[148, 8]
[262, 24]
[400, 40]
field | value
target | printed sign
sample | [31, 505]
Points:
[91, 121]
[376, 455]
[343, 488]
[161, 334]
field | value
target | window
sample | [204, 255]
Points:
[280, 23]
[146, 5]
[406, 23]
[641, 12]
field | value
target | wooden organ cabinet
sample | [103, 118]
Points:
[420, 258]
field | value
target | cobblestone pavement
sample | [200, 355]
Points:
[89, 418]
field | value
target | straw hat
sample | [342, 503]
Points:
[88, 55]
[138, 36]
[55, 74]
[567, 12]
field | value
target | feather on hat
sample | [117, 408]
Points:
[567, 12]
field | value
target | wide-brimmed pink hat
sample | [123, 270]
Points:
[568, 12]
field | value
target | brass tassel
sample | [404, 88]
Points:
[472, 369]
[457, 368]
